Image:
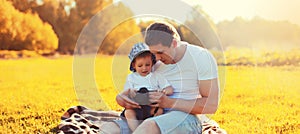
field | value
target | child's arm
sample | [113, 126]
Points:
[163, 82]
[129, 86]
[124, 98]
[168, 90]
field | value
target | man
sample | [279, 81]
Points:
[192, 72]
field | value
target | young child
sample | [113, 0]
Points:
[141, 62]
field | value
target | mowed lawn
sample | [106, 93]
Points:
[35, 92]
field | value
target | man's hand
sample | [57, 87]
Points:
[160, 100]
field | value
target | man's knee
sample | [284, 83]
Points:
[110, 128]
[148, 126]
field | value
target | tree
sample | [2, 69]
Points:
[68, 17]
[121, 32]
[24, 5]
[79, 17]
[21, 31]
[108, 29]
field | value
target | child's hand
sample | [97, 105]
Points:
[124, 100]
[132, 92]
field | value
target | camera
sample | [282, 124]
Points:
[142, 96]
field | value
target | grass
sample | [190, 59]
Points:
[260, 100]
[35, 92]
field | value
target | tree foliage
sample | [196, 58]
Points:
[122, 31]
[80, 16]
[24, 31]
[24, 5]
[68, 17]
[108, 29]
[113, 26]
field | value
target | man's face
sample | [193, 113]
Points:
[163, 53]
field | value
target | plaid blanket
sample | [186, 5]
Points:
[82, 120]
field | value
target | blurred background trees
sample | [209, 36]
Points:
[20, 31]
[66, 18]
[259, 33]
[49, 26]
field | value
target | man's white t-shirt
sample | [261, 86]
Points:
[153, 81]
[196, 64]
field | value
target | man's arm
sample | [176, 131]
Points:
[208, 104]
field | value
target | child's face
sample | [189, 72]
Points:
[143, 65]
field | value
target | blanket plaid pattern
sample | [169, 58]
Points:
[82, 120]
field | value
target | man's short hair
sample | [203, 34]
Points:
[161, 33]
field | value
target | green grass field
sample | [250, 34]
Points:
[35, 92]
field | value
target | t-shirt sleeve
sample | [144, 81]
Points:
[206, 65]
[162, 81]
[128, 84]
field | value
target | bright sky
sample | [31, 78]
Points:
[269, 9]
[219, 10]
